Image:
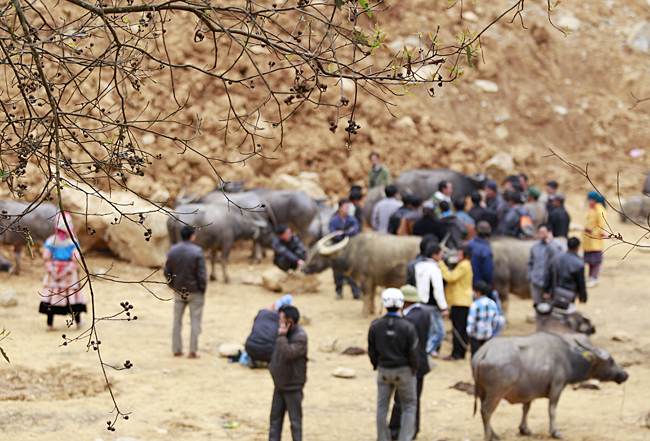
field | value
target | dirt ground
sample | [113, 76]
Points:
[52, 392]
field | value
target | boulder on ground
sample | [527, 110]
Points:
[304, 182]
[342, 372]
[9, 298]
[622, 336]
[328, 345]
[500, 166]
[276, 280]
[230, 349]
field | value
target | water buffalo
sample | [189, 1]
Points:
[521, 369]
[320, 225]
[217, 228]
[511, 265]
[371, 259]
[294, 208]
[561, 323]
[425, 183]
[39, 221]
[637, 209]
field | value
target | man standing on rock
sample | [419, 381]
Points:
[394, 351]
[288, 368]
[185, 272]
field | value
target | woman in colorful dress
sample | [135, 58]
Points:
[62, 294]
[593, 242]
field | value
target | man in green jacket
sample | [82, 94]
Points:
[379, 173]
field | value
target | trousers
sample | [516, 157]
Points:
[284, 401]
[338, 281]
[195, 302]
[458, 317]
[537, 292]
[396, 415]
[403, 380]
[436, 332]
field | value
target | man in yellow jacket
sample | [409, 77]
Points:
[459, 296]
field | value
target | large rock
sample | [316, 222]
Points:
[9, 298]
[500, 166]
[343, 372]
[639, 37]
[105, 228]
[276, 280]
[304, 182]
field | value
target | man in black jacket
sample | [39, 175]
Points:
[394, 350]
[290, 253]
[414, 313]
[566, 271]
[288, 368]
[558, 218]
[185, 272]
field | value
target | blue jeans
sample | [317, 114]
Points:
[436, 332]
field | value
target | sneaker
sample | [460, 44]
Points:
[338, 296]
[591, 283]
[434, 354]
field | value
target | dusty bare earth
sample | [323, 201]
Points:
[51, 392]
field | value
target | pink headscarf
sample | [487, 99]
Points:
[62, 233]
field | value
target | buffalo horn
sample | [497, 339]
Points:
[598, 352]
[330, 250]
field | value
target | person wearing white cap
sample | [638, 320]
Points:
[394, 351]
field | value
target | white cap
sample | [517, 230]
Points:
[392, 298]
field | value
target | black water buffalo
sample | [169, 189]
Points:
[425, 183]
[294, 208]
[39, 221]
[521, 369]
[371, 259]
[217, 228]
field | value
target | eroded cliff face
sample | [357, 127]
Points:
[532, 91]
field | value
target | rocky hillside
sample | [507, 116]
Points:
[534, 90]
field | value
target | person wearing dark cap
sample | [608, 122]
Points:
[414, 313]
[559, 219]
[290, 253]
[379, 173]
[535, 206]
[565, 279]
[344, 225]
[355, 197]
[513, 184]
[495, 203]
[429, 224]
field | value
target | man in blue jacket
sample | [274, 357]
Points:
[344, 225]
[482, 258]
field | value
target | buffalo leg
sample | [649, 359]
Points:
[18, 251]
[554, 396]
[213, 255]
[225, 252]
[258, 252]
[523, 427]
[488, 406]
[368, 296]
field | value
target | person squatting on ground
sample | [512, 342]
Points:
[483, 317]
[430, 286]
[288, 367]
[414, 313]
[344, 225]
[185, 273]
[544, 250]
[290, 253]
[565, 279]
[459, 296]
[62, 293]
[393, 348]
[592, 243]
[260, 344]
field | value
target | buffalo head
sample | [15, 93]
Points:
[321, 254]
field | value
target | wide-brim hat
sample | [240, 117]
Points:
[410, 294]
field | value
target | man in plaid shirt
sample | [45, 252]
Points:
[483, 317]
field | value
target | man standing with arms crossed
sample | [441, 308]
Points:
[393, 347]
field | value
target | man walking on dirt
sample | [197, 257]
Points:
[288, 368]
[185, 272]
